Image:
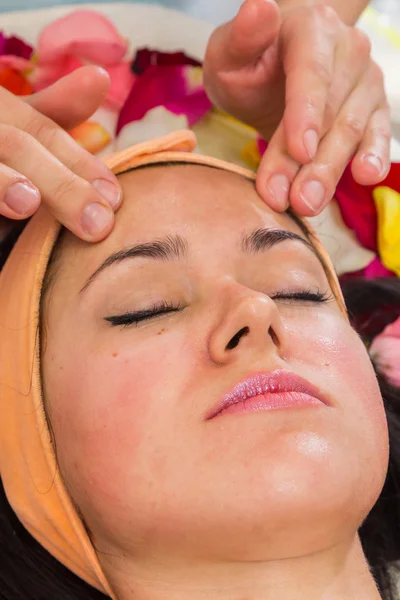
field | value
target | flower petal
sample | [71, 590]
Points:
[15, 62]
[15, 82]
[388, 206]
[16, 46]
[155, 123]
[84, 33]
[46, 74]
[146, 58]
[122, 80]
[177, 88]
[91, 136]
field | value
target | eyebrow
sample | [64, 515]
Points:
[175, 247]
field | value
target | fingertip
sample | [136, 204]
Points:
[110, 191]
[308, 198]
[256, 24]
[369, 169]
[301, 145]
[97, 221]
[301, 208]
[273, 191]
[91, 78]
[259, 8]
[22, 199]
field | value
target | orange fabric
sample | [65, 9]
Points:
[28, 466]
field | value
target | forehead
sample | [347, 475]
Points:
[208, 206]
[198, 195]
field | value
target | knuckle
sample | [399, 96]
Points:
[361, 42]
[321, 69]
[377, 75]
[42, 129]
[66, 187]
[352, 126]
[327, 13]
[80, 162]
[13, 141]
[382, 131]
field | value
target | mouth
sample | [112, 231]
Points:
[279, 390]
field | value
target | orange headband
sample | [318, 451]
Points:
[28, 465]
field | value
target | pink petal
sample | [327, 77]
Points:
[168, 86]
[84, 33]
[122, 80]
[15, 62]
[146, 58]
[376, 269]
[358, 209]
[45, 75]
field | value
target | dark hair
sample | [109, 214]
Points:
[373, 304]
[29, 572]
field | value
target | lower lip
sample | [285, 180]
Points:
[275, 401]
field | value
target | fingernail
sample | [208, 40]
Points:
[278, 186]
[22, 198]
[313, 194]
[109, 191]
[374, 161]
[310, 141]
[96, 218]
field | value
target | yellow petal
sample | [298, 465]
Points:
[251, 155]
[387, 203]
[223, 137]
[91, 136]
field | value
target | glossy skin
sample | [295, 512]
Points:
[156, 482]
[285, 70]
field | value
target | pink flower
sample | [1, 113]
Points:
[84, 37]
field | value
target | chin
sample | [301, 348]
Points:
[300, 493]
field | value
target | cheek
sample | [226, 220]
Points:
[341, 366]
[114, 409]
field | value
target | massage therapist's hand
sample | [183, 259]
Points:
[41, 163]
[307, 83]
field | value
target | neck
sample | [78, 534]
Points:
[338, 573]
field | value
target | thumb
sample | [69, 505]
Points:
[242, 41]
[74, 98]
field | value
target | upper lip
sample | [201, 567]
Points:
[266, 383]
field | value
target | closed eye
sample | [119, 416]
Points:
[139, 316]
[303, 296]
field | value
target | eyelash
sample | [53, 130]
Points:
[304, 295]
[136, 317]
[164, 308]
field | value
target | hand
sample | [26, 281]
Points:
[40, 162]
[305, 81]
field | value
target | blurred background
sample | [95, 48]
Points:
[213, 11]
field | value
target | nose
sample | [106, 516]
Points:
[251, 325]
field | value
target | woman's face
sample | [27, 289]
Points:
[130, 394]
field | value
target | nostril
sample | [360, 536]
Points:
[273, 336]
[236, 338]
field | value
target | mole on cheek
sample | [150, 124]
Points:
[161, 331]
[115, 354]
